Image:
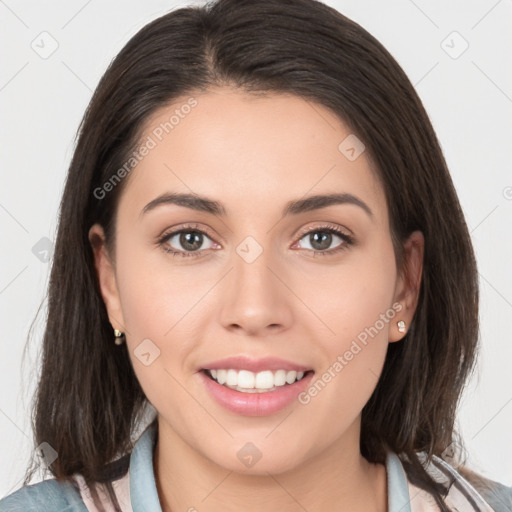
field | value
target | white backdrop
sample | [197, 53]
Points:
[456, 53]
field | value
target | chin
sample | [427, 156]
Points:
[257, 463]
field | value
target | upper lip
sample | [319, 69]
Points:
[254, 365]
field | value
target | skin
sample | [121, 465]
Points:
[254, 155]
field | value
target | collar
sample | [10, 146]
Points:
[143, 493]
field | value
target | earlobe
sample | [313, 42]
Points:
[408, 285]
[106, 276]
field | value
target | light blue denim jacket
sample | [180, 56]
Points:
[403, 496]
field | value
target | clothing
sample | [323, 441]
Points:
[136, 490]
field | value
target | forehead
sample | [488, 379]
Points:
[247, 149]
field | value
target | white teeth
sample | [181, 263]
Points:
[290, 377]
[231, 378]
[250, 382]
[264, 380]
[245, 379]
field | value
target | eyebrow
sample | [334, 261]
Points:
[204, 204]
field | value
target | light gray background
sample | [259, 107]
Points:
[469, 100]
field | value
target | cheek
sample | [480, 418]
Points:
[351, 297]
[159, 302]
[156, 293]
[354, 304]
[163, 304]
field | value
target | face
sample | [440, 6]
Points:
[316, 287]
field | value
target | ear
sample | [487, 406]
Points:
[106, 275]
[408, 284]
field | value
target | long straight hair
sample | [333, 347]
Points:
[88, 398]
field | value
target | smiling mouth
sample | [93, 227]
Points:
[250, 382]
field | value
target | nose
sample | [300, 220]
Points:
[255, 298]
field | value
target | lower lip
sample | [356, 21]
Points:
[255, 404]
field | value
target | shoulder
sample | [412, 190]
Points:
[73, 494]
[46, 495]
[498, 495]
[467, 490]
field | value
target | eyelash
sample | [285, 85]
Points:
[348, 240]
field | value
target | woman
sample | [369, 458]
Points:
[258, 212]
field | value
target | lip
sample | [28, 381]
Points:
[254, 365]
[255, 404]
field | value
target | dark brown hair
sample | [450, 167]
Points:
[88, 399]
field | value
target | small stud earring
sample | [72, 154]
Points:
[401, 326]
[119, 335]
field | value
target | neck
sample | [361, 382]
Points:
[338, 478]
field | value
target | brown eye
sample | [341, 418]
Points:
[190, 240]
[320, 240]
[185, 241]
